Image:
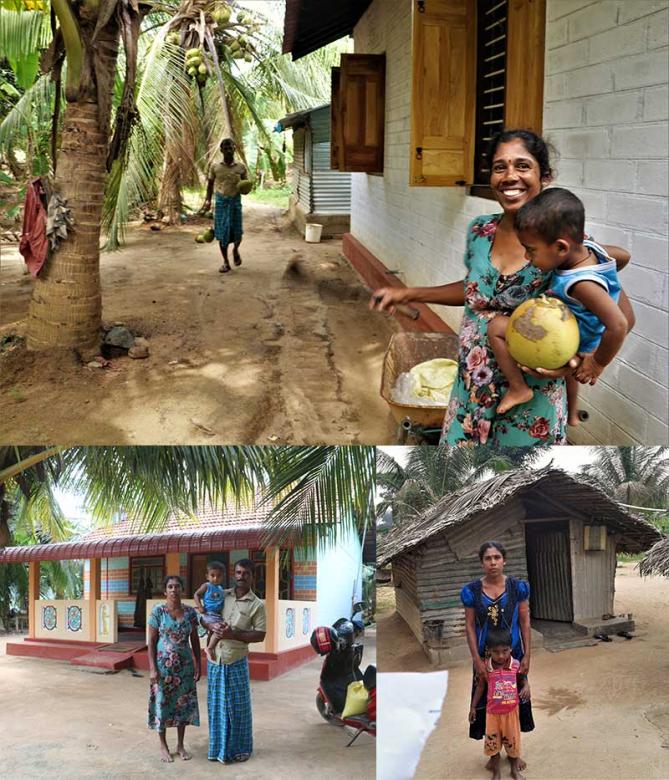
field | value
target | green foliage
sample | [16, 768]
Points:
[277, 196]
[638, 476]
[434, 472]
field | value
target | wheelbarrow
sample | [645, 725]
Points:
[420, 424]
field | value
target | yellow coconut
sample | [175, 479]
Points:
[542, 333]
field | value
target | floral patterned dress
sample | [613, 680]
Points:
[471, 414]
[173, 699]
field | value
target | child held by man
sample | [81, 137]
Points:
[551, 228]
[209, 599]
[506, 687]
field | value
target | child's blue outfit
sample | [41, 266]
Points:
[604, 274]
[213, 599]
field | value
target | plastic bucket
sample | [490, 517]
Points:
[313, 232]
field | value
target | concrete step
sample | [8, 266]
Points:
[106, 657]
[568, 644]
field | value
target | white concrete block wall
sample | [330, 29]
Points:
[606, 112]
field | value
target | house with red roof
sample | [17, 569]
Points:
[124, 570]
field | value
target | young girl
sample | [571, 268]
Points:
[502, 727]
[551, 229]
[209, 598]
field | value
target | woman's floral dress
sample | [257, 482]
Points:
[471, 414]
[173, 699]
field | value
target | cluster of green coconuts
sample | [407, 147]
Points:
[234, 44]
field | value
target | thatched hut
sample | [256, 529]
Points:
[657, 560]
[561, 533]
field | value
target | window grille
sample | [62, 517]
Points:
[490, 80]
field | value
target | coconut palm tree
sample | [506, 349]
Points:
[433, 472]
[65, 309]
[315, 491]
[638, 476]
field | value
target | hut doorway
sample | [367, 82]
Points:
[549, 570]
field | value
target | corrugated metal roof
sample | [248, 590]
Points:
[576, 495]
[210, 529]
[310, 24]
[299, 117]
[203, 540]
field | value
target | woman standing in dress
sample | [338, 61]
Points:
[497, 601]
[498, 279]
[174, 667]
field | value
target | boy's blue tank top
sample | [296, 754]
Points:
[590, 326]
[213, 599]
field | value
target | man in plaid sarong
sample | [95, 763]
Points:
[228, 683]
[223, 180]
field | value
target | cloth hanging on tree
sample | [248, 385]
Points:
[59, 219]
[34, 245]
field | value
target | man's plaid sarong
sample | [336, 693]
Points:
[228, 218]
[229, 708]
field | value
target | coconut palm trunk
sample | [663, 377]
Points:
[66, 306]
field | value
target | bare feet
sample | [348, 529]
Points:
[573, 419]
[513, 398]
[493, 766]
[237, 259]
[521, 763]
[225, 268]
[165, 755]
[183, 753]
[515, 769]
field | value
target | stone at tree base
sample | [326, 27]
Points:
[120, 336]
[140, 349]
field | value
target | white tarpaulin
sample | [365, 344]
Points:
[409, 706]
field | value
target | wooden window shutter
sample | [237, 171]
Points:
[359, 123]
[444, 97]
[335, 120]
[526, 34]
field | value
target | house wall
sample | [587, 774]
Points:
[301, 179]
[331, 190]
[406, 595]
[339, 577]
[593, 575]
[606, 113]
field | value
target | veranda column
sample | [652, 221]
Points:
[33, 596]
[172, 566]
[94, 580]
[272, 599]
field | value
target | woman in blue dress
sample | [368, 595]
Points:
[174, 668]
[497, 601]
[498, 279]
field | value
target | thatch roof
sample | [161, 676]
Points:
[657, 560]
[574, 496]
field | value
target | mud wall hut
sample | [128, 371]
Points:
[561, 534]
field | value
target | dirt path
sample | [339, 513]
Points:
[59, 721]
[264, 354]
[600, 712]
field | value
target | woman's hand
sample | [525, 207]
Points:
[524, 665]
[387, 298]
[480, 668]
[154, 676]
[524, 693]
[197, 673]
[472, 714]
[553, 373]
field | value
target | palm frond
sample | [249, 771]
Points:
[32, 110]
[23, 33]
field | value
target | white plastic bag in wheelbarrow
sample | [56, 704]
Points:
[409, 708]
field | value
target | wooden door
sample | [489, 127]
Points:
[549, 570]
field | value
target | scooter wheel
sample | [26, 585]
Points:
[325, 712]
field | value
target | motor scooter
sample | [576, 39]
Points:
[341, 666]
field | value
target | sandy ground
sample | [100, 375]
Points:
[62, 722]
[260, 355]
[600, 712]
